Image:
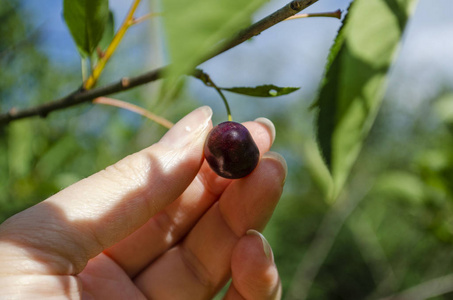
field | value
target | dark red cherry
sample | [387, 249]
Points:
[231, 151]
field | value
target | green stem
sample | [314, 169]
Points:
[84, 64]
[91, 81]
[206, 79]
[92, 63]
[227, 106]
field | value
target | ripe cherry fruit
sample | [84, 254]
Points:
[231, 151]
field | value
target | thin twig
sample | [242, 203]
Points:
[143, 18]
[134, 108]
[334, 14]
[82, 95]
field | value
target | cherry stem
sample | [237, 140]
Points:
[206, 79]
[230, 118]
[134, 108]
[227, 106]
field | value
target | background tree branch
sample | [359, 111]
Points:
[81, 95]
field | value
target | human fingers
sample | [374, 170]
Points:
[200, 265]
[253, 271]
[63, 232]
[167, 227]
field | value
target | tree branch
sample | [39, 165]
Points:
[255, 29]
[81, 95]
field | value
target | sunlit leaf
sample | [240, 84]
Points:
[194, 30]
[109, 32]
[267, 90]
[356, 78]
[86, 20]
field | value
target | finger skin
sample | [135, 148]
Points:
[167, 227]
[254, 275]
[59, 235]
[233, 294]
[200, 265]
[102, 272]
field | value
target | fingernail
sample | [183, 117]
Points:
[269, 125]
[280, 159]
[188, 128]
[266, 247]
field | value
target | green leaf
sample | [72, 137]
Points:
[268, 90]
[109, 32]
[195, 29]
[355, 80]
[86, 20]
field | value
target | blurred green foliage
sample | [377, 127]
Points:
[399, 234]
[399, 229]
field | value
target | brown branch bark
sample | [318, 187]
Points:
[276, 17]
[81, 96]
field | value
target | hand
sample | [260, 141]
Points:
[158, 224]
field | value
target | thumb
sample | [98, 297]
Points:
[82, 220]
